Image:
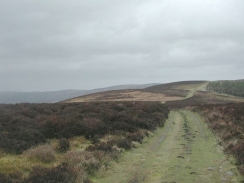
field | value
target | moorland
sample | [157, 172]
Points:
[177, 132]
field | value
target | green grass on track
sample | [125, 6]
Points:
[184, 150]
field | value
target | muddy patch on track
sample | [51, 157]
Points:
[188, 136]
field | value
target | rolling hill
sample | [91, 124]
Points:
[189, 138]
[160, 92]
[12, 97]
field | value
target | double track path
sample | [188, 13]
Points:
[183, 151]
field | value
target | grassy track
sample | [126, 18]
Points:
[184, 150]
[201, 87]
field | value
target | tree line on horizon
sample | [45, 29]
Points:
[229, 87]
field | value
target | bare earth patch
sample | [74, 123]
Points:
[124, 95]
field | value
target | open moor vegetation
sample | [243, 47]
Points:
[27, 130]
[74, 142]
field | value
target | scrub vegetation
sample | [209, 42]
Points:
[126, 141]
[38, 142]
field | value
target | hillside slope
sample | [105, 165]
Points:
[163, 92]
[180, 88]
[56, 96]
[124, 95]
[184, 85]
[42, 143]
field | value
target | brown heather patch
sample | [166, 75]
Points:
[43, 153]
[125, 95]
[26, 126]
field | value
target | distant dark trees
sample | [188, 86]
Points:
[229, 87]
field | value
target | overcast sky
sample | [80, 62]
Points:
[83, 44]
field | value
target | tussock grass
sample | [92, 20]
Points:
[137, 178]
[45, 156]
[23, 163]
[79, 143]
[44, 153]
[12, 163]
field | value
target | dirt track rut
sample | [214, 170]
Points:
[184, 150]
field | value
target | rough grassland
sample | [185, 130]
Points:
[185, 150]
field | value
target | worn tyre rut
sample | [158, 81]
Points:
[184, 150]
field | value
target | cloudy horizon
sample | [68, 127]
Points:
[83, 44]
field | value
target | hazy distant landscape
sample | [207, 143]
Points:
[101, 136]
[56, 96]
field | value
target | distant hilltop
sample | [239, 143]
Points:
[13, 97]
[140, 92]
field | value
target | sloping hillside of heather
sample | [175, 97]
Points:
[70, 142]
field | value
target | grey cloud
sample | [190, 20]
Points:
[48, 45]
